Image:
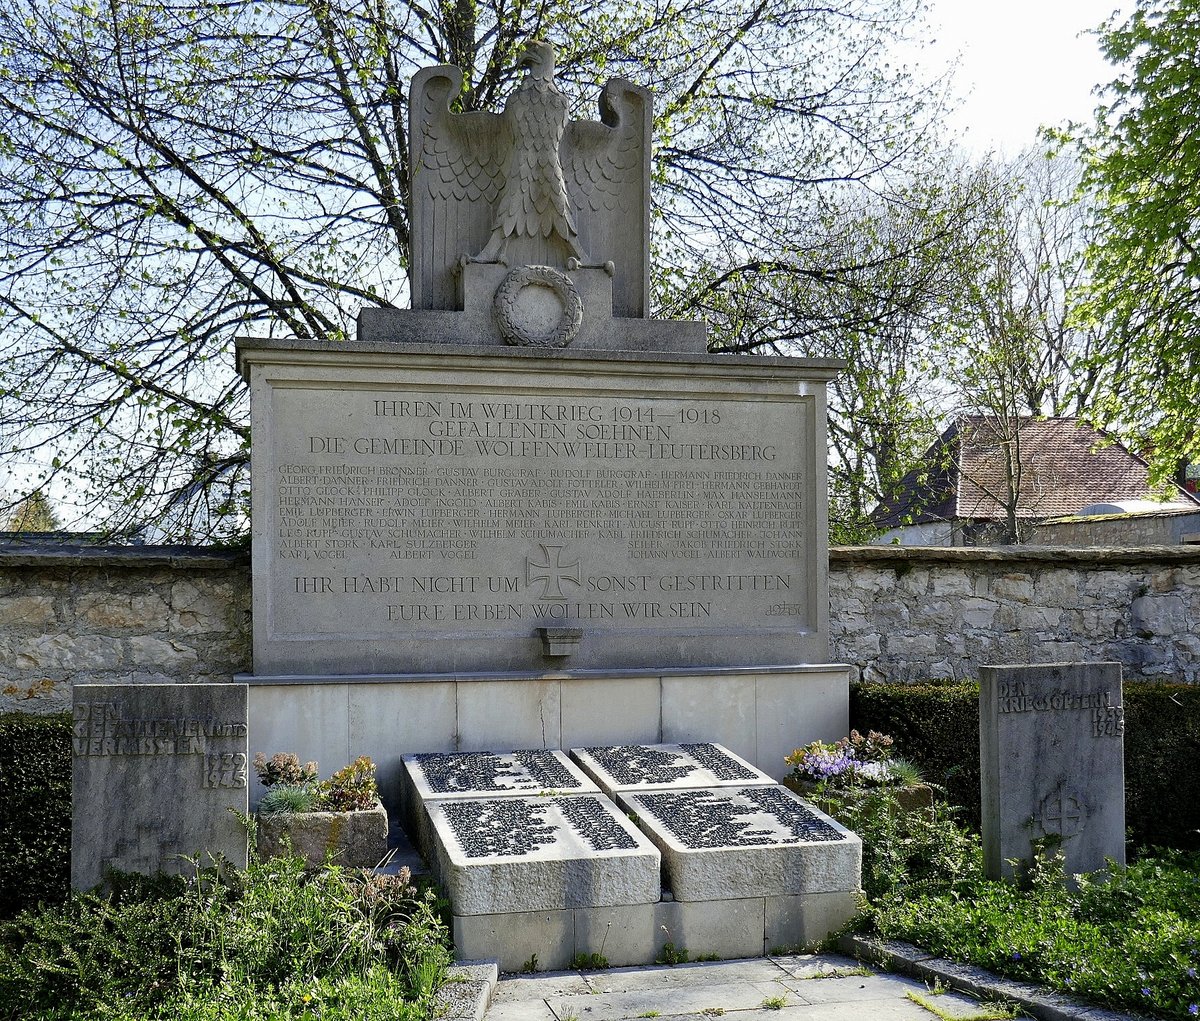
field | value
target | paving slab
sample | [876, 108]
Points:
[696, 997]
[695, 975]
[820, 987]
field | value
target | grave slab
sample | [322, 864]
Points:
[158, 771]
[1052, 764]
[437, 776]
[508, 854]
[730, 842]
[640, 767]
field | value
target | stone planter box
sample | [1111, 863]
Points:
[357, 839]
[909, 799]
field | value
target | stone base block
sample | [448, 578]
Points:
[357, 839]
[800, 922]
[518, 941]
[639, 767]
[507, 854]
[630, 935]
[726, 843]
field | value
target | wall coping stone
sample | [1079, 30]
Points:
[213, 558]
[1063, 555]
[179, 557]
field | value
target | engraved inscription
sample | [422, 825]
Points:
[1108, 719]
[413, 513]
[225, 769]
[100, 729]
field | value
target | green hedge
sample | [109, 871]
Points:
[937, 726]
[35, 810]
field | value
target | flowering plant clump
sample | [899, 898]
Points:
[292, 787]
[852, 760]
[283, 769]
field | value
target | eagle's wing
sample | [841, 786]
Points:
[607, 164]
[457, 163]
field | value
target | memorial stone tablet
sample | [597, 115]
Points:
[440, 775]
[677, 766]
[1052, 764]
[461, 512]
[729, 842]
[537, 854]
[159, 771]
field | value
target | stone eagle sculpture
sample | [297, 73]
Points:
[528, 186]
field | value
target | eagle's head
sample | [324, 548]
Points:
[538, 56]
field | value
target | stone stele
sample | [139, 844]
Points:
[1052, 764]
[158, 772]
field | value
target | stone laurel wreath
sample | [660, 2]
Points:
[516, 332]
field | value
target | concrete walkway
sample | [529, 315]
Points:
[828, 987]
[825, 987]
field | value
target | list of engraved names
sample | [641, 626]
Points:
[430, 508]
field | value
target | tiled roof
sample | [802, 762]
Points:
[1064, 466]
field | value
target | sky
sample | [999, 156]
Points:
[1024, 63]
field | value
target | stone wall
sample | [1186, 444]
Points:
[103, 616]
[908, 614]
[897, 614]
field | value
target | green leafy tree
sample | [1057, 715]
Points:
[32, 514]
[1143, 172]
[174, 173]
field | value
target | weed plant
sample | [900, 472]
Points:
[1128, 939]
[272, 943]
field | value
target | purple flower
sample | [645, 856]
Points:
[1016, 955]
[1190, 973]
[1145, 990]
[1193, 1009]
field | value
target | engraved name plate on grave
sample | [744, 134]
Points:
[1052, 764]
[538, 854]
[641, 767]
[662, 508]
[728, 842]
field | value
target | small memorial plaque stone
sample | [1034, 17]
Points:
[1052, 764]
[538, 854]
[728, 842]
[641, 767]
[159, 771]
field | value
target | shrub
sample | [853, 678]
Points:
[35, 810]
[937, 726]
[273, 942]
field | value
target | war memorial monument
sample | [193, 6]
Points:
[550, 563]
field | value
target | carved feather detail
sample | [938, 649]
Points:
[528, 172]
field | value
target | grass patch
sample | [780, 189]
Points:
[1129, 940]
[273, 943]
